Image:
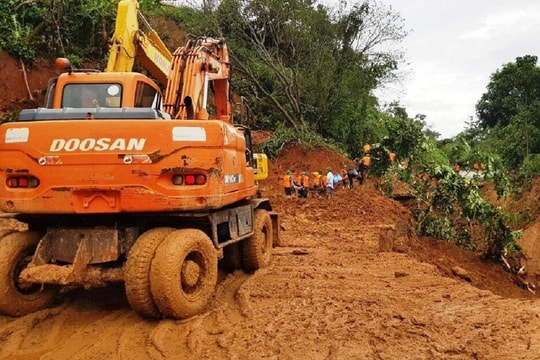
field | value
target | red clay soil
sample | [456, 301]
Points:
[348, 282]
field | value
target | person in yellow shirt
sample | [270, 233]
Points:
[363, 168]
[366, 148]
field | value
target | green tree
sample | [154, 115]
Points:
[509, 112]
[303, 64]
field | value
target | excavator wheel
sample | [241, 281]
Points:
[16, 250]
[232, 257]
[184, 273]
[137, 272]
[258, 248]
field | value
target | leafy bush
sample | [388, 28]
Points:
[530, 168]
[449, 199]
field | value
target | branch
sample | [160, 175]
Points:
[26, 81]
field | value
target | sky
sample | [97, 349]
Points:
[451, 51]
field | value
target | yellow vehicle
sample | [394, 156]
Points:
[118, 183]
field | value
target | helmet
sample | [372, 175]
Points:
[288, 172]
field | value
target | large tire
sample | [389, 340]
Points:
[137, 272]
[258, 248]
[16, 250]
[5, 233]
[184, 273]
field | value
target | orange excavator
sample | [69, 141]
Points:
[118, 183]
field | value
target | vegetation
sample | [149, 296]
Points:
[308, 72]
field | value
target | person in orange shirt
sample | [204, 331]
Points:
[287, 183]
[344, 176]
[304, 181]
[316, 182]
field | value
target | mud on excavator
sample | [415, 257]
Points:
[119, 183]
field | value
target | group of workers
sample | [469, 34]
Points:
[316, 182]
[326, 182]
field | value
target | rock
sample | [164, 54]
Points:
[461, 273]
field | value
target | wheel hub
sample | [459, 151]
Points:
[191, 272]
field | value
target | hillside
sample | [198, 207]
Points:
[349, 282]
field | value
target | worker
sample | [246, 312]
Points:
[88, 98]
[366, 148]
[316, 182]
[304, 182]
[344, 176]
[329, 183]
[287, 184]
[392, 157]
[352, 174]
[297, 185]
[363, 167]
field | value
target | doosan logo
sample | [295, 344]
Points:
[100, 144]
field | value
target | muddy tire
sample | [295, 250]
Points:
[5, 233]
[16, 250]
[232, 257]
[258, 248]
[184, 273]
[137, 272]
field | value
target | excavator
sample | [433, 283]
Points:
[119, 182]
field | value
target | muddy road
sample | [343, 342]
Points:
[344, 285]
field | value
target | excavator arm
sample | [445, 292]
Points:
[130, 43]
[197, 66]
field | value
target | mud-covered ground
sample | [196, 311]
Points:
[349, 282]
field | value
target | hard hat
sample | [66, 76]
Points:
[288, 172]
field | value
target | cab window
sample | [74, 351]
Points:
[147, 96]
[92, 95]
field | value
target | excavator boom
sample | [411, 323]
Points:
[130, 44]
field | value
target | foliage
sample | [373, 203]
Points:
[73, 28]
[530, 168]
[300, 64]
[509, 111]
[453, 209]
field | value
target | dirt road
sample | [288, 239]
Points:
[333, 291]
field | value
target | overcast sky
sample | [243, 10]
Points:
[453, 48]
